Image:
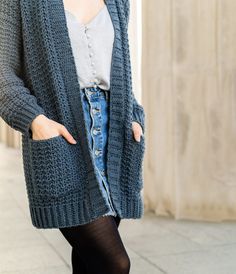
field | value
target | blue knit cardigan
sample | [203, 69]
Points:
[38, 76]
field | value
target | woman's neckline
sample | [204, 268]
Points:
[91, 20]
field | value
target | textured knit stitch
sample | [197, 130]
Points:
[38, 76]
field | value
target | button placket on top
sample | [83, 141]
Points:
[94, 81]
[95, 100]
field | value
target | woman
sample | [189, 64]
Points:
[66, 85]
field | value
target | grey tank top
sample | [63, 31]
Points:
[92, 45]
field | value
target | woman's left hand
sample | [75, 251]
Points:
[137, 131]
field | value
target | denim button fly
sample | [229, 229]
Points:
[95, 105]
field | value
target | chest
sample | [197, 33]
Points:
[84, 10]
[99, 28]
[46, 34]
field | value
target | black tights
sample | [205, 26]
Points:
[97, 247]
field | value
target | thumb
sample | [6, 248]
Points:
[65, 133]
[136, 135]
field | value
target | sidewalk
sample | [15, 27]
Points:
[155, 245]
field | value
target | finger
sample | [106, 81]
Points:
[137, 136]
[65, 133]
[137, 127]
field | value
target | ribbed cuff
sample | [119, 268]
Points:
[24, 117]
[78, 213]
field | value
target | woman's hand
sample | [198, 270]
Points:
[45, 128]
[137, 131]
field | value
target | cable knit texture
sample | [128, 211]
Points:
[38, 76]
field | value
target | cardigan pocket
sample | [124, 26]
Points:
[53, 166]
[135, 164]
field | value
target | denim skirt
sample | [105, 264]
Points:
[95, 103]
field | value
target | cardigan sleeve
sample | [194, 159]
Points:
[18, 107]
[138, 110]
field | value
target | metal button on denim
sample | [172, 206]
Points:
[97, 152]
[96, 131]
[95, 110]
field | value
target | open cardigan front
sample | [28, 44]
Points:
[38, 76]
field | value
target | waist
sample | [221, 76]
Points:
[95, 90]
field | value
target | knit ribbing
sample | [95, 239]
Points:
[61, 183]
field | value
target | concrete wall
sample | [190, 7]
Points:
[189, 93]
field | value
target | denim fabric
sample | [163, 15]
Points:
[96, 109]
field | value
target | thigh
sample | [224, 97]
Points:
[99, 244]
[78, 264]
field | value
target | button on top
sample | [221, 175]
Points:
[94, 72]
[91, 54]
[86, 38]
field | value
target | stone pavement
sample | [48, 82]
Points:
[155, 244]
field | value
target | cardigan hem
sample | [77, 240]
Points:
[67, 215]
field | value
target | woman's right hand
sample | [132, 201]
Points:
[45, 128]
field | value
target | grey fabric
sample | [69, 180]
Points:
[92, 48]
